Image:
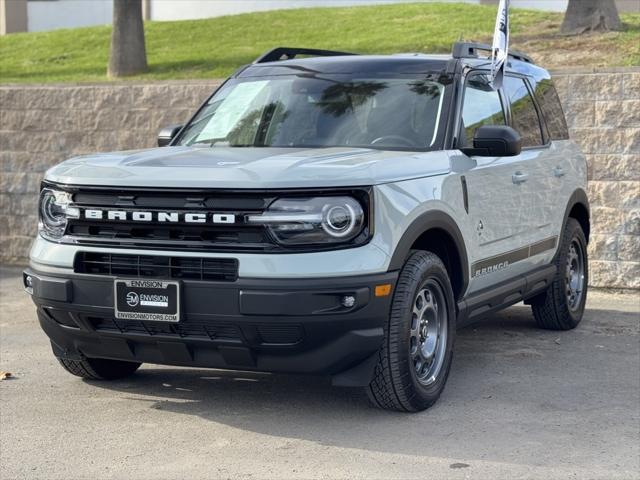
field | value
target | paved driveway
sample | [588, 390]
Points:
[520, 403]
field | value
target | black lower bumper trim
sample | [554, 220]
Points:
[289, 326]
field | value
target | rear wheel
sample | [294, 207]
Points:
[561, 306]
[99, 368]
[414, 361]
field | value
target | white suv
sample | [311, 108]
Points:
[335, 214]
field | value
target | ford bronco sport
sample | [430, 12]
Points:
[321, 213]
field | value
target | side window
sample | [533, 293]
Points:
[551, 109]
[482, 106]
[524, 116]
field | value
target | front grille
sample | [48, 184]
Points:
[186, 268]
[178, 234]
[166, 235]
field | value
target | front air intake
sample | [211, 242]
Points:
[186, 268]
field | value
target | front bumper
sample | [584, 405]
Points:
[272, 325]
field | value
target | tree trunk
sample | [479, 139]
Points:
[128, 55]
[590, 16]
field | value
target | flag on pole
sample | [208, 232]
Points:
[500, 49]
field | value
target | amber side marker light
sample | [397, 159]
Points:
[383, 290]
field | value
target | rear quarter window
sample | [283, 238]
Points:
[524, 116]
[549, 103]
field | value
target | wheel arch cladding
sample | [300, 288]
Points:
[578, 208]
[436, 232]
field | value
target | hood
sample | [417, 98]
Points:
[206, 167]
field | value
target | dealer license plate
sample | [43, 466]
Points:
[149, 300]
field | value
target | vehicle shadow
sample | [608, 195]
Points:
[509, 380]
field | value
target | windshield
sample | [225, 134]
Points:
[322, 111]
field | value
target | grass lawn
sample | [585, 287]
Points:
[213, 48]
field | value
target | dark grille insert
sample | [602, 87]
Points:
[165, 198]
[249, 238]
[188, 268]
[60, 316]
[284, 334]
[207, 331]
[269, 335]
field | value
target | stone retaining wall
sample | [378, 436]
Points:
[43, 125]
[603, 112]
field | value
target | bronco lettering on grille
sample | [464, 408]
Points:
[160, 217]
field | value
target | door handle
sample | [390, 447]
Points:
[558, 172]
[519, 177]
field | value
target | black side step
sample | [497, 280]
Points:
[505, 294]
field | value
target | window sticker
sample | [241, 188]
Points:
[231, 110]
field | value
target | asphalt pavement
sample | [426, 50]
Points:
[520, 403]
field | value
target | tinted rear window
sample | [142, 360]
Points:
[552, 110]
[524, 116]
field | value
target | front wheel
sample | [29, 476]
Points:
[415, 358]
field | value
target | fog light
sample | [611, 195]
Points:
[28, 284]
[348, 301]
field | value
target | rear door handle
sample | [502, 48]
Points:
[519, 177]
[558, 172]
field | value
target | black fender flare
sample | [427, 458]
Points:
[578, 197]
[430, 220]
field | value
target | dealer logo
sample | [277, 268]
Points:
[132, 299]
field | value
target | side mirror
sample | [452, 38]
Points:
[495, 141]
[167, 134]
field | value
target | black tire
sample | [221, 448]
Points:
[555, 309]
[396, 384]
[99, 368]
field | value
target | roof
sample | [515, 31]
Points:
[354, 63]
[282, 60]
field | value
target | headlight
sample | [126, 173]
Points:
[317, 220]
[55, 209]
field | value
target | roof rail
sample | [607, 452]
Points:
[470, 50]
[286, 53]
